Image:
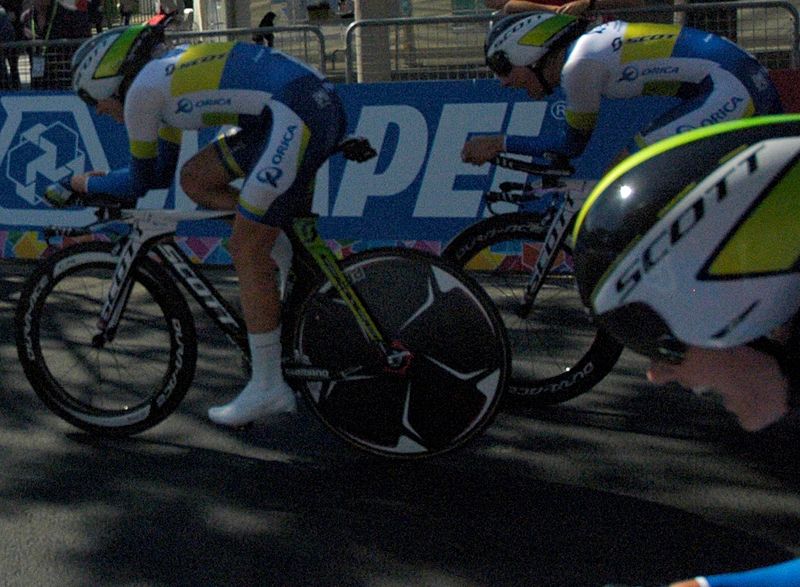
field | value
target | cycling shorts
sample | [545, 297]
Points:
[279, 152]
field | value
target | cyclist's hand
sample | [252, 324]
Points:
[479, 150]
[58, 194]
[575, 8]
[78, 183]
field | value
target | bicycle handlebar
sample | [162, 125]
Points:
[559, 166]
[102, 201]
[511, 197]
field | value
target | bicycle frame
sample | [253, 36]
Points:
[560, 223]
[149, 233]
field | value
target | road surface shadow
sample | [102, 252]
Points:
[173, 514]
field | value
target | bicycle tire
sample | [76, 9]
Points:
[557, 351]
[129, 384]
[456, 376]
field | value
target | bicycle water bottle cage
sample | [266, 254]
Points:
[357, 149]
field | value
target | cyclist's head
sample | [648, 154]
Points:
[105, 65]
[524, 39]
[696, 240]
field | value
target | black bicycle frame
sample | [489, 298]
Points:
[561, 220]
[218, 309]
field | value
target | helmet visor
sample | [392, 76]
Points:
[499, 63]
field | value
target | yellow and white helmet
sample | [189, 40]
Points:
[696, 239]
[102, 63]
[525, 38]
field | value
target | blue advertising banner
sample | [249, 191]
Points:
[417, 191]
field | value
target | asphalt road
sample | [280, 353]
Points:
[627, 484]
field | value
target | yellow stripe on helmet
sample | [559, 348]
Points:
[544, 32]
[768, 241]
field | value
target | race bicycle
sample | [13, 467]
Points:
[521, 256]
[398, 352]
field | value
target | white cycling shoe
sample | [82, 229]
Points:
[254, 403]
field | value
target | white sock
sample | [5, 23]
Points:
[265, 353]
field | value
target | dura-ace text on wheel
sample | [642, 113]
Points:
[119, 386]
[452, 356]
[557, 352]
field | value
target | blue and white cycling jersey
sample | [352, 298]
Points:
[286, 119]
[715, 80]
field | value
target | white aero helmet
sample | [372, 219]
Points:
[523, 39]
[696, 239]
[102, 63]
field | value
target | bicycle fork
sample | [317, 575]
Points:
[118, 292]
[556, 234]
[141, 235]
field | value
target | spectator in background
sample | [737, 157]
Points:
[266, 38]
[126, 9]
[9, 70]
[96, 15]
[47, 20]
[346, 8]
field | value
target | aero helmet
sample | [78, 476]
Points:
[525, 38]
[102, 63]
[696, 239]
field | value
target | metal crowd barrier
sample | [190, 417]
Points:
[769, 29]
[305, 42]
[434, 47]
[427, 48]
[451, 47]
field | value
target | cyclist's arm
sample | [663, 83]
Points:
[155, 172]
[154, 147]
[782, 575]
[568, 141]
[583, 81]
[512, 6]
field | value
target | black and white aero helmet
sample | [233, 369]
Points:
[696, 239]
[525, 38]
[104, 65]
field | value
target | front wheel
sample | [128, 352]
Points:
[558, 352]
[119, 387]
[454, 356]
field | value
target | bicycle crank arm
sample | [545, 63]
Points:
[305, 372]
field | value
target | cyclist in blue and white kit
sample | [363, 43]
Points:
[688, 253]
[714, 79]
[286, 120]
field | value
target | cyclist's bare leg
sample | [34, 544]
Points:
[206, 181]
[266, 393]
[250, 246]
